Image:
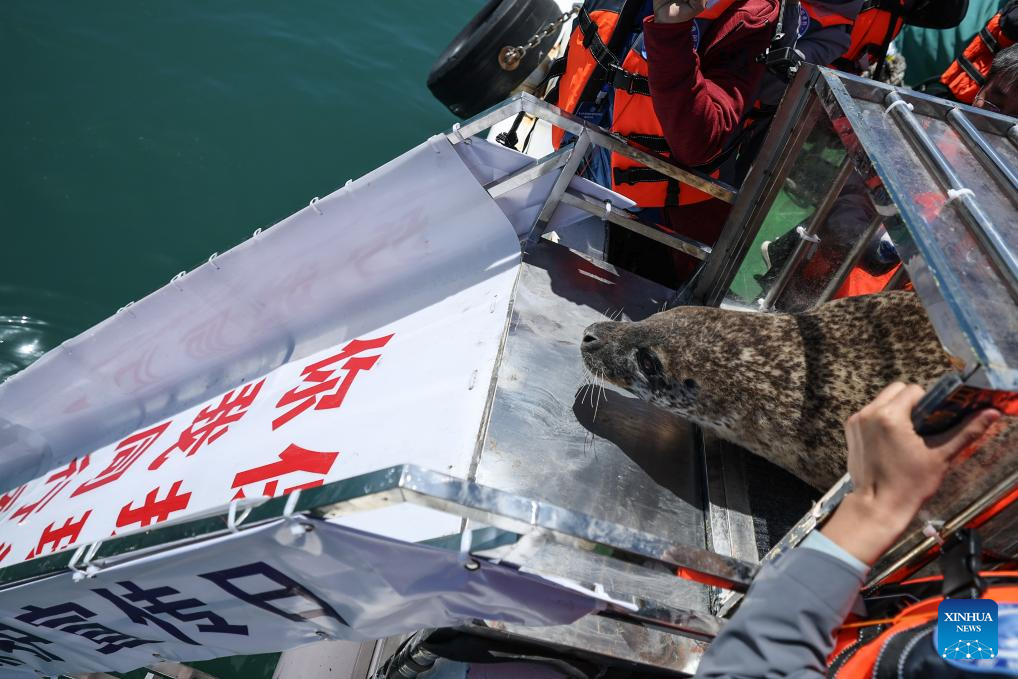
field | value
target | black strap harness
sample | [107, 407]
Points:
[609, 63]
[971, 70]
[991, 42]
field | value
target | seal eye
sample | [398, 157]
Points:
[689, 384]
[647, 362]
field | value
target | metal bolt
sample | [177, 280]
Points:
[509, 58]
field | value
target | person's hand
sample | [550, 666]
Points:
[894, 470]
[676, 11]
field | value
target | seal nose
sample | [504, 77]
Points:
[591, 342]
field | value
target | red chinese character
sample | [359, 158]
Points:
[5, 549]
[59, 481]
[127, 453]
[10, 497]
[293, 459]
[69, 531]
[153, 509]
[212, 422]
[331, 388]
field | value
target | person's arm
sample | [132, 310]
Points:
[785, 625]
[700, 103]
[894, 470]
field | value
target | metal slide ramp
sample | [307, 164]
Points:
[471, 409]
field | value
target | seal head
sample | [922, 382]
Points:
[640, 358]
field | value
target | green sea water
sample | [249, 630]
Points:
[139, 136]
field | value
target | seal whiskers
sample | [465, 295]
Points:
[592, 386]
[594, 382]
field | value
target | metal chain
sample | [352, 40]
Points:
[510, 57]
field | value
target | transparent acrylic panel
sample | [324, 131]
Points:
[803, 191]
[968, 299]
[992, 197]
[852, 255]
[993, 326]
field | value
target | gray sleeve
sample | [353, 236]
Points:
[785, 625]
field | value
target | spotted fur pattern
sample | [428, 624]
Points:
[780, 385]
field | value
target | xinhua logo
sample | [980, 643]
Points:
[967, 629]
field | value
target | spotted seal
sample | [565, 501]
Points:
[780, 385]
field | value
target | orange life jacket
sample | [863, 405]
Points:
[860, 646]
[588, 55]
[582, 59]
[858, 282]
[878, 23]
[967, 73]
[634, 118]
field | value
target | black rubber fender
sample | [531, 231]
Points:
[467, 78]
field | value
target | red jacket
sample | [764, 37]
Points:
[701, 98]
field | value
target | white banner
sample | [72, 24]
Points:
[393, 297]
[268, 588]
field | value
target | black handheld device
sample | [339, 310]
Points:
[950, 399]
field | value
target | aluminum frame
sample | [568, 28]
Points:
[529, 173]
[542, 110]
[423, 487]
[951, 306]
[815, 221]
[986, 154]
[572, 164]
[568, 159]
[418, 486]
[795, 118]
[626, 220]
[981, 225]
